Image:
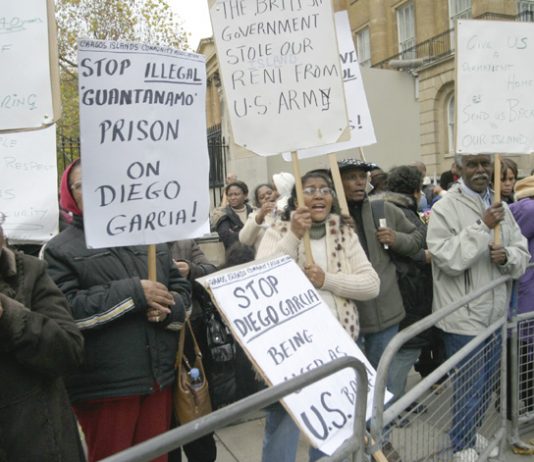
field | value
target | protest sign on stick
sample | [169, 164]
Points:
[29, 81]
[281, 73]
[285, 328]
[28, 164]
[495, 87]
[494, 91]
[144, 146]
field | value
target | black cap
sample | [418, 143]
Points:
[356, 164]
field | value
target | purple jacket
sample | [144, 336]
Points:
[523, 212]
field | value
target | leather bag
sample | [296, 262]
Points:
[190, 402]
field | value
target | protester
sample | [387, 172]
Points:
[122, 393]
[265, 197]
[230, 219]
[39, 343]
[340, 272]
[230, 178]
[449, 177]
[283, 183]
[414, 275]
[379, 317]
[378, 180]
[192, 264]
[509, 173]
[465, 257]
[523, 212]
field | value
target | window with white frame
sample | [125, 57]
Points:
[525, 10]
[450, 124]
[406, 29]
[459, 9]
[363, 47]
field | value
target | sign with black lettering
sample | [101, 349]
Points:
[26, 99]
[145, 162]
[286, 329]
[281, 73]
[28, 185]
[495, 87]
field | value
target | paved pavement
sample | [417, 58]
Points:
[242, 442]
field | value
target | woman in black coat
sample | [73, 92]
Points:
[39, 343]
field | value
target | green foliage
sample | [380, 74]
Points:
[148, 21]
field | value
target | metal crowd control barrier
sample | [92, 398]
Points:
[422, 424]
[521, 374]
[352, 447]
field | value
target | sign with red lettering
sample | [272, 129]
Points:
[286, 329]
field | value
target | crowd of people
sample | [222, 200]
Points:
[88, 343]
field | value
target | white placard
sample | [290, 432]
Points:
[495, 87]
[284, 326]
[361, 125]
[28, 185]
[281, 73]
[25, 84]
[145, 162]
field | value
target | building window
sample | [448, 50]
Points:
[525, 9]
[406, 30]
[363, 47]
[459, 9]
[450, 124]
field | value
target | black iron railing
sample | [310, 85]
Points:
[442, 45]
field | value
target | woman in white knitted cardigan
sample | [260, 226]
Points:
[340, 272]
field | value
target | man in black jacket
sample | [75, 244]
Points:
[380, 317]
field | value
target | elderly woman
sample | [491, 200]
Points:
[122, 394]
[39, 344]
[341, 273]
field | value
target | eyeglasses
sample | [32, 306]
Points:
[312, 191]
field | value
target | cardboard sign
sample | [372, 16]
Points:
[361, 125]
[26, 99]
[145, 162]
[286, 329]
[495, 87]
[28, 185]
[281, 73]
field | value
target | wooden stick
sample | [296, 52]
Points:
[152, 262]
[338, 184]
[497, 195]
[300, 201]
[340, 5]
[362, 155]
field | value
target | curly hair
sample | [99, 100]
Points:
[257, 190]
[405, 179]
[239, 184]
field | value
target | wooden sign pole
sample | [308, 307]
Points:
[152, 262]
[338, 184]
[300, 200]
[497, 195]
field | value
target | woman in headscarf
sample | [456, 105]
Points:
[122, 393]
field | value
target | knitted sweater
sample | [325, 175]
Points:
[348, 276]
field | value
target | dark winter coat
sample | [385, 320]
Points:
[414, 275]
[125, 354]
[39, 343]
[387, 309]
[188, 250]
[228, 225]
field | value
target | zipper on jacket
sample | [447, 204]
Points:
[467, 287]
